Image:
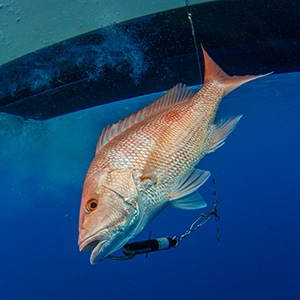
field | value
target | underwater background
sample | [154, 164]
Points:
[49, 124]
[43, 165]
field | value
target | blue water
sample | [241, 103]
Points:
[43, 166]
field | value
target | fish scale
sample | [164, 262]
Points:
[131, 150]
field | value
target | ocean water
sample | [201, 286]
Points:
[251, 253]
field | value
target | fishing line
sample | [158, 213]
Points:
[130, 250]
[189, 15]
[216, 201]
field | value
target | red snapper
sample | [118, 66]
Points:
[147, 162]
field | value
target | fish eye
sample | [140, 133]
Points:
[92, 204]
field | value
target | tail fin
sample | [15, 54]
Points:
[214, 73]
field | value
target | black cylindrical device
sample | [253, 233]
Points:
[149, 246]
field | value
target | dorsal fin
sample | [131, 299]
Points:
[212, 72]
[178, 93]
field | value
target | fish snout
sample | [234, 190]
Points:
[94, 243]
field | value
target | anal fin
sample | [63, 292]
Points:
[221, 132]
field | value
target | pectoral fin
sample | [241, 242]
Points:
[185, 195]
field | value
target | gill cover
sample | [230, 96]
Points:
[122, 183]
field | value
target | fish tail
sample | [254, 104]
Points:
[214, 73]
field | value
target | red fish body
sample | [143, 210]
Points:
[146, 162]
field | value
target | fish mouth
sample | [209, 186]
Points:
[95, 244]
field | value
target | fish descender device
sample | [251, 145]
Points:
[130, 250]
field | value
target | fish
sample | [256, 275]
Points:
[147, 162]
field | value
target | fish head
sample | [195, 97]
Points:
[108, 217]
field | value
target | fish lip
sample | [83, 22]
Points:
[95, 243]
